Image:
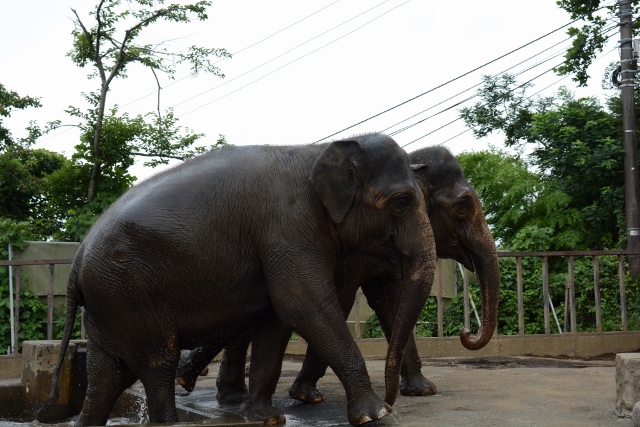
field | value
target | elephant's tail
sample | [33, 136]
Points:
[74, 300]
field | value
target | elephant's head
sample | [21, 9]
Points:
[377, 205]
[461, 231]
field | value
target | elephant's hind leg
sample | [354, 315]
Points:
[305, 388]
[269, 343]
[107, 378]
[159, 386]
[231, 384]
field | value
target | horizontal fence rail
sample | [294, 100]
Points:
[569, 320]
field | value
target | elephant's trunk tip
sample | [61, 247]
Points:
[474, 343]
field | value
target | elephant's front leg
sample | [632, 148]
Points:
[382, 298]
[312, 309]
[305, 388]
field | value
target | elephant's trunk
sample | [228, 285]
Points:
[418, 274]
[485, 261]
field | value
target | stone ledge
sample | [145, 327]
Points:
[582, 345]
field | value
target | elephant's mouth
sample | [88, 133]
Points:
[467, 261]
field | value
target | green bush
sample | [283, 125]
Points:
[33, 315]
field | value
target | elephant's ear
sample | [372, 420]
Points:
[334, 177]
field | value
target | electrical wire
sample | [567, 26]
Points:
[295, 60]
[275, 58]
[480, 83]
[239, 51]
[521, 85]
[449, 81]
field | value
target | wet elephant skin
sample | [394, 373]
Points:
[247, 239]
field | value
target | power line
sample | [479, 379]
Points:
[521, 85]
[480, 83]
[295, 60]
[447, 82]
[459, 118]
[241, 50]
[276, 57]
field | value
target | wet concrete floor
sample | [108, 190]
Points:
[481, 392]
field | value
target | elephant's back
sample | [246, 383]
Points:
[216, 208]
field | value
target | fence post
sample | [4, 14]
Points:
[356, 326]
[439, 297]
[465, 290]
[16, 309]
[572, 296]
[545, 293]
[596, 292]
[82, 331]
[50, 303]
[623, 293]
[520, 296]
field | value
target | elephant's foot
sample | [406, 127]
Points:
[417, 385]
[367, 410]
[231, 395]
[305, 392]
[265, 412]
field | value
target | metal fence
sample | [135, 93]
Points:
[570, 322]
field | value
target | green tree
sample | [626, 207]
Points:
[590, 38]
[23, 170]
[573, 144]
[9, 101]
[521, 205]
[110, 51]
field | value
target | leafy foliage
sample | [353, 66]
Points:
[10, 100]
[33, 313]
[109, 50]
[589, 39]
[574, 147]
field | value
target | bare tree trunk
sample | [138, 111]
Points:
[96, 170]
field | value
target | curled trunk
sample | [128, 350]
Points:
[485, 261]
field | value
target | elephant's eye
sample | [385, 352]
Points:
[463, 206]
[400, 205]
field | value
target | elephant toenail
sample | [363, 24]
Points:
[382, 413]
[365, 419]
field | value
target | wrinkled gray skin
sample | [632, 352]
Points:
[246, 239]
[461, 233]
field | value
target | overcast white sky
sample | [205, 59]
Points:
[347, 61]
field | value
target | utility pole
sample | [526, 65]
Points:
[627, 86]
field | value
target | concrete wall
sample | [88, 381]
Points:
[583, 345]
[38, 276]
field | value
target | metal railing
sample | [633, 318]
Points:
[570, 287]
[570, 296]
[18, 284]
[570, 321]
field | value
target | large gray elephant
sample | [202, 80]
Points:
[247, 238]
[461, 233]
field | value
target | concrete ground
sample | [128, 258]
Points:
[471, 392]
